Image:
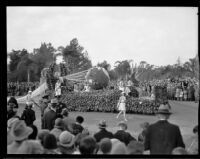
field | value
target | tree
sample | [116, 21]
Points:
[104, 64]
[123, 68]
[75, 57]
[15, 58]
[27, 65]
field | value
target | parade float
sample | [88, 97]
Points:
[100, 98]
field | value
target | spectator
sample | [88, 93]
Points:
[10, 122]
[28, 115]
[34, 134]
[12, 107]
[41, 134]
[105, 145]
[43, 105]
[58, 128]
[193, 147]
[68, 121]
[30, 147]
[135, 147]
[77, 140]
[77, 126]
[88, 145]
[122, 135]
[60, 106]
[185, 94]
[50, 116]
[103, 133]
[118, 148]
[66, 143]
[50, 144]
[142, 135]
[19, 133]
[162, 137]
[179, 151]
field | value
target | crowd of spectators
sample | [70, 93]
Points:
[64, 134]
[177, 89]
[20, 88]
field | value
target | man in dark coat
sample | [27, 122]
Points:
[103, 133]
[60, 106]
[162, 137]
[43, 105]
[50, 116]
[28, 115]
[122, 135]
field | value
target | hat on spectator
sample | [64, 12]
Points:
[50, 141]
[30, 147]
[20, 131]
[118, 148]
[122, 124]
[105, 145]
[102, 124]
[78, 138]
[42, 133]
[163, 109]
[11, 121]
[195, 129]
[135, 147]
[29, 91]
[66, 139]
[59, 123]
[14, 101]
[179, 151]
[144, 125]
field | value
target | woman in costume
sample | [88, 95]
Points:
[122, 106]
[58, 88]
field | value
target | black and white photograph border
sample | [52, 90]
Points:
[123, 70]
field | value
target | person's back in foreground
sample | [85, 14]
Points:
[162, 137]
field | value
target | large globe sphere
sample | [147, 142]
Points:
[98, 78]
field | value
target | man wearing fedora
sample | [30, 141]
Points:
[50, 116]
[162, 137]
[103, 133]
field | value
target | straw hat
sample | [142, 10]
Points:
[66, 139]
[20, 131]
[163, 109]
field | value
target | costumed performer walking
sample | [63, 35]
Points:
[58, 88]
[121, 105]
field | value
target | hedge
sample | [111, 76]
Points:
[106, 101]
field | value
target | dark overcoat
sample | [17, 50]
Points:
[162, 137]
[103, 133]
[49, 119]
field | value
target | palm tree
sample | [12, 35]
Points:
[29, 65]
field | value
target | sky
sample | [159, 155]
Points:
[157, 35]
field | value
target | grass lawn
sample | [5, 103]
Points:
[185, 114]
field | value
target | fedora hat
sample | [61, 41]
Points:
[122, 123]
[102, 124]
[20, 131]
[66, 139]
[163, 109]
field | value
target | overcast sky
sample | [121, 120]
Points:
[158, 35]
